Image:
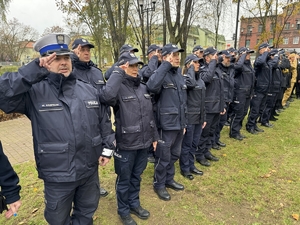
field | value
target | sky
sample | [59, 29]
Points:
[39, 14]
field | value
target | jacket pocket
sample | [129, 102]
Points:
[168, 118]
[53, 157]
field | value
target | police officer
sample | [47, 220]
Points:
[214, 105]
[274, 88]
[243, 90]
[198, 51]
[124, 48]
[84, 69]
[135, 133]
[226, 68]
[263, 76]
[195, 117]
[72, 132]
[154, 57]
[9, 186]
[169, 86]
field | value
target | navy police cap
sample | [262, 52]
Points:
[152, 48]
[197, 47]
[51, 43]
[226, 53]
[191, 58]
[127, 48]
[81, 42]
[169, 48]
[210, 51]
[128, 57]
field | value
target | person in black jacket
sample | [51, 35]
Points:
[214, 105]
[169, 88]
[154, 57]
[9, 185]
[244, 79]
[84, 69]
[263, 78]
[71, 129]
[195, 117]
[135, 132]
[226, 68]
[274, 88]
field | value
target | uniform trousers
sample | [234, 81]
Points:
[84, 194]
[167, 153]
[207, 136]
[257, 104]
[129, 166]
[270, 103]
[189, 145]
[240, 110]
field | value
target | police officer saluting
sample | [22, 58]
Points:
[168, 85]
[72, 132]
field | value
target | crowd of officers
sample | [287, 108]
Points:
[163, 113]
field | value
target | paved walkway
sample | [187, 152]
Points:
[16, 139]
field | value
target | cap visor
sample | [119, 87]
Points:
[251, 51]
[178, 50]
[59, 52]
[90, 45]
[135, 61]
[134, 49]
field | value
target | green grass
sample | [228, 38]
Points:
[256, 182]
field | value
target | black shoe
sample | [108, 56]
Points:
[259, 129]
[290, 100]
[187, 175]
[216, 147]
[221, 144]
[267, 125]
[103, 192]
[127, 220]
[163, 194]
[151, 159]
[196, 172]
[203, 162]
[227, 123]
[243, 136]
[252, 131]
[237, 137]
[272, 118]
[140, 212]
[175, 186]
[276, 114]
[212, 158]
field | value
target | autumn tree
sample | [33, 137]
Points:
[53, 29]
[14, 37]
[4, 4]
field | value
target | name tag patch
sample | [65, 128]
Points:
[92, 103]
[50, 106]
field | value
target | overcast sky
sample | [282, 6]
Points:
[40, 14]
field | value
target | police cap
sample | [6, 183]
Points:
[81, 42]
[169, 48]
[127, 48]
[197, 47]
[210, 51]
[152, 48]
[129, 57]
[51, 43]
[190, 58]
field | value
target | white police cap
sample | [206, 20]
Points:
[51, 43]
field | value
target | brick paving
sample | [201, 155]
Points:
[16, 139]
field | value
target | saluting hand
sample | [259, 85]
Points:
[46, 61]
[124, 66]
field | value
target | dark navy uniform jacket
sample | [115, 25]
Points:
[87, 72]
[262, 73]
[195, 97]
[169, 86]
[244, 78]
[149, 68]
[275, 75]
[70, 127]
[8, 179]
[135, 125]
[228, 80]
[214, 95]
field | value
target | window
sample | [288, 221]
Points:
[297, 24]
[285, 41]
[271, 27]
[249, 29]
[296, 40]
[287, 26]
[260, 27]
[271, 41]
[247, 43]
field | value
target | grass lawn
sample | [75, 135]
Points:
[255, 182]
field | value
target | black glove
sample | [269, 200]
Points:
[3, 205]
